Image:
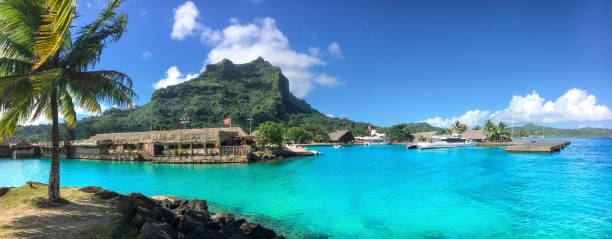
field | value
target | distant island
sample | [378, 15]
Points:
[255, 90]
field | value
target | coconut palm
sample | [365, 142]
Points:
[489, 127]
[502, 131]
[477, 127]
[44, 73]
[459, 127]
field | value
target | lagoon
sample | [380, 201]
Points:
[380, 191]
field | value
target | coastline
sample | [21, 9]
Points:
[123, 216]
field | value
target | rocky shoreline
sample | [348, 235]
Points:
[170, 217]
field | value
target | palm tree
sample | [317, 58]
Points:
[43, 73]
[477, 127]
[489, 127]
[459, 127]
[502, 131]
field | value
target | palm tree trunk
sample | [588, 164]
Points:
[53, 193]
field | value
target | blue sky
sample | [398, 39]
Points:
[388, 62]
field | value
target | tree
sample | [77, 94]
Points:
[459, 127]
[298, 135]
[399, 132]
[44, 73]
[502, 132]
[477, 127]
[270, 133]
[490, 128]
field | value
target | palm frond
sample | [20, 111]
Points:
[111, 86]
[15, 33]
[92, 39]
[56, 26]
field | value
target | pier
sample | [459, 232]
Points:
[529, 146]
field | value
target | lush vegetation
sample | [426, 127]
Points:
[531, 130]
[270, 133]
[298, 135]
[44, 73]
[459, 127]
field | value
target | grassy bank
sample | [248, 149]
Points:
[25, 214]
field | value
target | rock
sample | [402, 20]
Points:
[165, 215]
[232, 229]
[105, 194]
[192, 220]
[91, 189]
[198, 205]
[223, 218]
[158, 231]
[215, 226]
[204, 233]
[143, 201]
[256, 231]
[126, 206]
[195, 205]
[143, 216]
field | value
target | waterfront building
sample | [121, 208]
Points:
[341, 137]
[475, 135]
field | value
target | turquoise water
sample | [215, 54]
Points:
[381, 191]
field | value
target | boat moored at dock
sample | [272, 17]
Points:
[453, 141]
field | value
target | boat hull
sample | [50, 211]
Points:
[440, 145]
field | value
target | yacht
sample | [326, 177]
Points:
[375, 138]
[453, 141]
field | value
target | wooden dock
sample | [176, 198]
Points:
[536, 146]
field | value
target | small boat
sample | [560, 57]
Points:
[454, 141]
[337, 146]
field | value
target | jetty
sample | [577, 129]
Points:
[529, 146]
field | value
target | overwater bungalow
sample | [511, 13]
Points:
[209, 145]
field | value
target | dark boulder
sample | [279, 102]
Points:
[204, 233]
[232, 229]
[91, 189]
[223, 218]
[198, 205]
[165, 215]
[158, 231]
[192, 220]
[256, 231]
[143, 201]
[105, 194]
[143, 216]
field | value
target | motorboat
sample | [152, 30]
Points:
[337, 146]
[452, 141]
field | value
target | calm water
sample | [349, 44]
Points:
[382, 191]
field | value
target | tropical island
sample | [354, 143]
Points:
[234, 134]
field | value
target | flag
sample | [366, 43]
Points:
[227, 121]
[369, 127]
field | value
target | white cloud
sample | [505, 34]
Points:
[334, 50]
[147, 56]
[314, 51]
[325, 80]
[173, 77]
[573, 106]
[470, 118]
[185, 21]
[330, 115]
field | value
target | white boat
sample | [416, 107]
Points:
[375, 138]
[454, 141]
[337, 146]
[375, 141]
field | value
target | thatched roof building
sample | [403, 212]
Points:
[170, 136]
[341, 136]
[422, 136]
[476, 135]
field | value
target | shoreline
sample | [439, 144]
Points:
[132, 216]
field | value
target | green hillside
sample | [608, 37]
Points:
[531, 129]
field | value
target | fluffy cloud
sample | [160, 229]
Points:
[147, 56]
[573, 106]
[173, 77]
[242, 43]
[185, 21]
[334, 50]
[470, 118]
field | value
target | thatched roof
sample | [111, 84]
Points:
[424, 135]
[180, 135]
[336, 135]
[474, 134]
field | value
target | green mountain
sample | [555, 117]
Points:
[254, 90]
[587, 132]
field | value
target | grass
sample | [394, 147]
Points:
[35, 195]
[82, 215]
